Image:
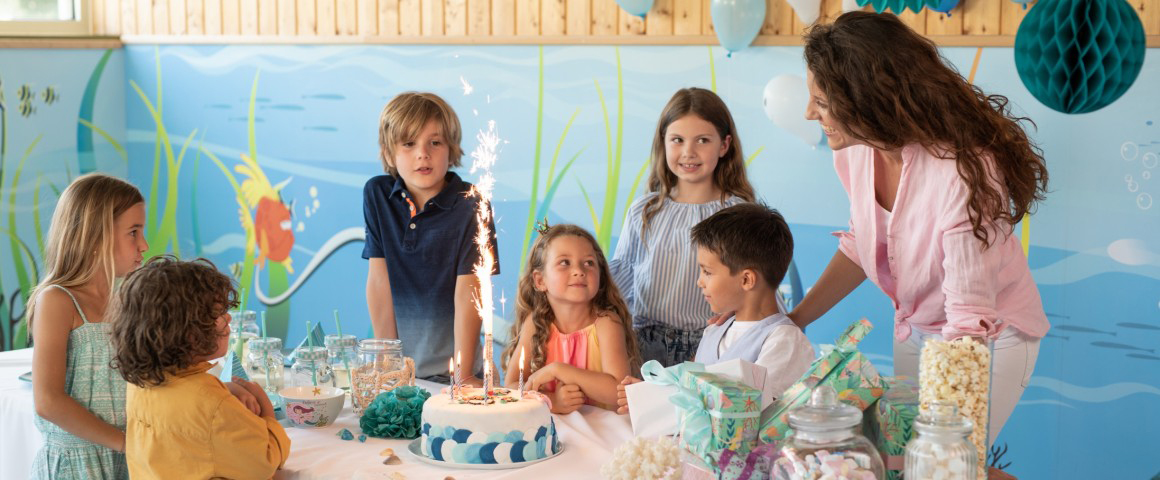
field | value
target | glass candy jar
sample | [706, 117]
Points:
[311, 368]
[342, 355]
[826, 443]
[265, 363]
[243, 328]
[941, 447]
[381, 368]
[958, 372]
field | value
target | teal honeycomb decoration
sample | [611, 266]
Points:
[899, 6]
[1078, 56]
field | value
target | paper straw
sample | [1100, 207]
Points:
[345, 362]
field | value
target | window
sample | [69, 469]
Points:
[44, 17]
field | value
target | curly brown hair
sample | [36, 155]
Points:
[729, 176]
[533, 304]
[891, 87]
[164, 317]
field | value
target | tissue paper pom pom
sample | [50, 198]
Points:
[395, 414]
[644, 458]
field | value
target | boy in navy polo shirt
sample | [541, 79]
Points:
[420, 238]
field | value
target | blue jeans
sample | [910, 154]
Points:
[667, 345]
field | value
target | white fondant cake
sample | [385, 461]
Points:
[507, 431]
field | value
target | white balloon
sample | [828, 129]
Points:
[785, 99]
[807, 10]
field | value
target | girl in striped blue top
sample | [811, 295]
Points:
[697, 169]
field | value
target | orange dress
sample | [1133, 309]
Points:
[580, 349]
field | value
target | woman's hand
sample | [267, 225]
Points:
[248, 399]
[567, 399]
[622, 396]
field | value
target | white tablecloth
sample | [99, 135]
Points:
[589, 437]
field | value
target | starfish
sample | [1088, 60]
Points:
[317, 391]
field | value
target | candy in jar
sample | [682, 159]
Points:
[826, 443]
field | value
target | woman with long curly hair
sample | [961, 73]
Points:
[572, 321]
[938, 173]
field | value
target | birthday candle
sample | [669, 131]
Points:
[521, 372]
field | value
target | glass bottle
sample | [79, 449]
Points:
[243, 328]
[342, 355]
[941, 447]
[958, 372]
[310, 368]
[826, 440]
[380, 360]
[265, 363]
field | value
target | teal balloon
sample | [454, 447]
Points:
[636, 7]
[1078, 56]
[945, 6]
[899, 6]
[737, 22]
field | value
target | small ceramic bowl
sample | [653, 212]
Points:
[312, 406]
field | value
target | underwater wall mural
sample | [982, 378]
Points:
[255, 157]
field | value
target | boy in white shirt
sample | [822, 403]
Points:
[743, 253]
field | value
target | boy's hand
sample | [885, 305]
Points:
[244, 396]
[621, 396]
[719, 319]
[543, 376]
[567, 399]
[266, 408]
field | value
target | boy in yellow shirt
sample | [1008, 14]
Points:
[170, 318]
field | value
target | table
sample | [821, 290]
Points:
[589, 437]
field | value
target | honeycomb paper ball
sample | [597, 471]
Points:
[1078, 56]
[899, 6]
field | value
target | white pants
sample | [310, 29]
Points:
[1011, 367]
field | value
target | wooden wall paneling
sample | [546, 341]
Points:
[629, 24]
[579, 17]
[128, 17]
[605, 17]
[981, 17]
[96, 17]
[778, 18]
[144, 16]
[346, 17]
[1013, 13]
[112, 17]
[455, 18]
[553, 17]
[288, 18]
[479, 18]
[177, 17]
[944, 24]
[707, 19]
[409, 18]
[917, 21]
[831, 9]
[388, 18]
[503, 18]
[213, 17]
[160, 17]
[195, 17]
[527, 17]
[231, 17]
[306, 17]
[267, 17]
[1149, 11]
[659, 20]
[687, 17]
[325, 23]
[248, 16]
[431, 18]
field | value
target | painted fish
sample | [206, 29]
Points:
[26, 109]
[24, 93]
[1052, 335]
[1141, 326]
[272, 227]
[1073, 328]
[326, 96]
[49, 95]
[1145, 357]
[1121, 346]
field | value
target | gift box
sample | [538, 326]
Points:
[694, 468]
[888, 423]
[649, 409]
[757, 464]
[842, 367]
[717, 413]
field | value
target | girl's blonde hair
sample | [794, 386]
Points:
[532, 304]
[729, 176]
[81, 237]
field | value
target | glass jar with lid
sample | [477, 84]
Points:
[941, 447]
[826, 442]
[265, 363]
[343, 357]
[243, 328]
[381, 368]
[311, 368]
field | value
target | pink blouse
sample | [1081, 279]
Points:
[937, 273]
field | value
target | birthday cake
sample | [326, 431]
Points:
[498, 430]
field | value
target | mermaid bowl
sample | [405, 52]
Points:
[309, 406]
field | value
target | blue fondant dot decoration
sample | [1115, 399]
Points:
[472, 454]
[513, 436]
[487, 453]
[1078, 56]
[448, 432]
[540, 432]
[899, 6]
[459, 453]
[541, 447]
[437, 448]
[530, 451]
[518, 451]
[495, 437]
[426, 429]
[461, 435]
